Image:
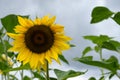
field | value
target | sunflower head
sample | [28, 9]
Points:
[39, 40]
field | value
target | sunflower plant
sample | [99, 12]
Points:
[32, 45]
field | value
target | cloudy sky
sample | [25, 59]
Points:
[75, 15]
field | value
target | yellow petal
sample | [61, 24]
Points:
[47, 56]
[37, 21]
[57, 28]
[44, 20]
[12, 35]
[34, 61]
[28, 58]
[54, 54]
[61, 45]
[20, 29]
[42, 58]
[62, 37]
[23, 54]
[51, 20]
[44, 66]
[25, 22]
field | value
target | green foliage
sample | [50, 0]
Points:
[100, 13]
[63, 59]
[63, 75]
[116, 18]
[110, 64]
[92, 78]
[86, 50]
[38, 75]
[111, 75]
[26, 78]
[9, 22]
[98, 39]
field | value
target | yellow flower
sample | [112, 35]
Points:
[39, 40]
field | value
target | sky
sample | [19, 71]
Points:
[75, 15]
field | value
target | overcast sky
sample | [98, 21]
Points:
[75, 15]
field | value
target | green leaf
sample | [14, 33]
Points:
[63, 59]
[86, 50]
[112, 45]
[116, 18]
[98, 39]
[110, 64]
[72, 45]
[26, 78]
[38, 75]
[10, 21]
[63, 75]
[111, 75]
[92, 78]
[102, 78]
[100, 13]
[97, 48]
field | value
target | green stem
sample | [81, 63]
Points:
[22, 75]
[47, 71]
[100, 52]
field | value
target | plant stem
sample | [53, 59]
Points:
[21, 74]
[47, 71]
[100, 52]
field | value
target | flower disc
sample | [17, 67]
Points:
[39, 38]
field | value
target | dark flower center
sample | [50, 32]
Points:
[39, 38]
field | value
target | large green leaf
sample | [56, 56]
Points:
[63, 75]
[10, 21]
[110, 64]
[100, 13]
[116, 18]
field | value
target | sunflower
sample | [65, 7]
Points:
[38, 40]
